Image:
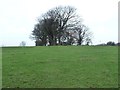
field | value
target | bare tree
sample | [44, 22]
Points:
[57, 26]
[23, 43]
[88, 37]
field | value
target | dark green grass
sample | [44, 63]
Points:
[60, 67]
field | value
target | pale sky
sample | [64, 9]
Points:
[18, 17]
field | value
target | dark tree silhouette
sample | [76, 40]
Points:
[60, 25]
[111, 43]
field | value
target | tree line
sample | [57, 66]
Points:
[61, 26]
[109, 43]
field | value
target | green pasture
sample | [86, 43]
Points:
[60, 67]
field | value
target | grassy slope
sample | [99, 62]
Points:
[72, 66]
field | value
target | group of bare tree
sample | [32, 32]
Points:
[61, 26]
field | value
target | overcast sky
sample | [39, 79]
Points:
[17, 18]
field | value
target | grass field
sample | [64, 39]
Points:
[60, 67]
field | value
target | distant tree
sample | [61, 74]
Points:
[60, 25]
[88, 37]
[118, 44]
[23, 43]
[111, 43]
